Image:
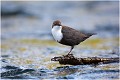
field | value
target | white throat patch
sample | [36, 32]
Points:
[57, 34]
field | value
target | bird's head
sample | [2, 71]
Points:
[56, 23]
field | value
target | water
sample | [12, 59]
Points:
[27, 45]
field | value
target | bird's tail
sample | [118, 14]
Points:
[87, 35]
[90, 34]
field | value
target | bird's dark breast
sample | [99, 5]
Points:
[71, 36]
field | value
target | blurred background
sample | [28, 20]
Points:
[26, 32]
[33, 19]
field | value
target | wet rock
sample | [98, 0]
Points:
[70, 59]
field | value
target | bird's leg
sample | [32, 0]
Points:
[70, 49]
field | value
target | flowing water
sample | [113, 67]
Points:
[27, 45]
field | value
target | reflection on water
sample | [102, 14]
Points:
[27, 45]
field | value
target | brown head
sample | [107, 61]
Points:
[56, 23]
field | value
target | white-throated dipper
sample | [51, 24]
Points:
[68, 36]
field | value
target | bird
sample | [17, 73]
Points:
[68, 36]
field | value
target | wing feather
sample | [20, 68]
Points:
[71, 36]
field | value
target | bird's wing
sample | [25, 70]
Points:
[71, 34]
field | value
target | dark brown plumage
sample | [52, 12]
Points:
[71, 37]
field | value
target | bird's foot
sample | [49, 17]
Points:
[69, 54]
